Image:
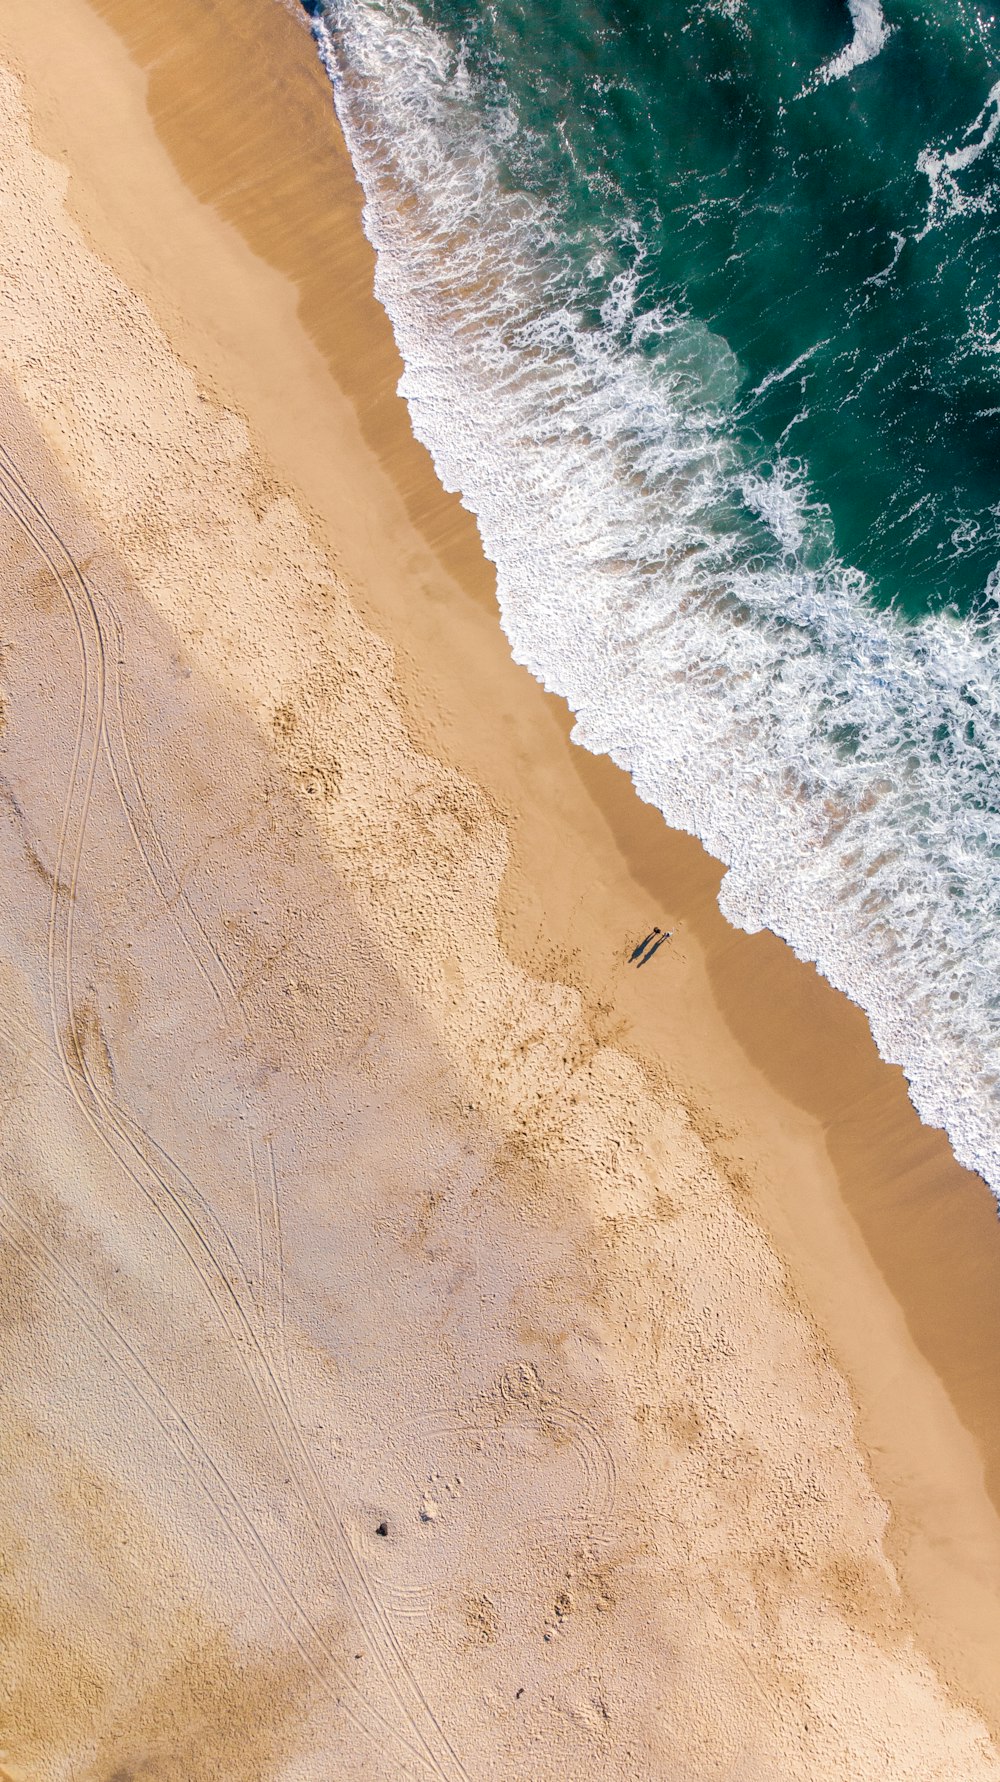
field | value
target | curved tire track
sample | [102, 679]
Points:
[111, 1127]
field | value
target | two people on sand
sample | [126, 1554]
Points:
[654, 940]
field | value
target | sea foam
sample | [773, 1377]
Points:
[951, 196]
[685, 600]
[871, 34]
[869, 38]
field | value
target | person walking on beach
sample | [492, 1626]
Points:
[643, 944]
[639, 955]
[654, 949]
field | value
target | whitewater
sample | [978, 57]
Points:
[684, 596]
[868, 41]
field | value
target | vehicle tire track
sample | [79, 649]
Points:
[71, 1054]
[94, 665]
[199, 1462]
[164, 876]
[104, 1119]
[522, 1395]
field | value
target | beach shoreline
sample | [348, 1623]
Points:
[236, 220]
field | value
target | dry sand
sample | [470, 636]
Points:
[349, 1180]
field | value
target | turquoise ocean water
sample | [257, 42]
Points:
[699, 302]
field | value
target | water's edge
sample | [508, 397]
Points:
[564, 630]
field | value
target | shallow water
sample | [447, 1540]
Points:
[700, 311]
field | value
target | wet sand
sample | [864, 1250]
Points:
[650, 1279]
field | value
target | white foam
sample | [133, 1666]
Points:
[779, 377]
[686, 602]
[948, 196]
[871, 34]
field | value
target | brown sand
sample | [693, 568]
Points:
[349, 1179]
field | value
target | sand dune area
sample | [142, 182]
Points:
[430, 1347]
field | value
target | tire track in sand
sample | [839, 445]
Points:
[435, 1753]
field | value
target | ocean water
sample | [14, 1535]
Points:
[699, 304]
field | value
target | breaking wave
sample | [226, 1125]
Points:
[870, 36]
[683, 594]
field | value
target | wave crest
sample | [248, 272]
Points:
[871, 34]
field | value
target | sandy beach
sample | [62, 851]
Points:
[431, 1347]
